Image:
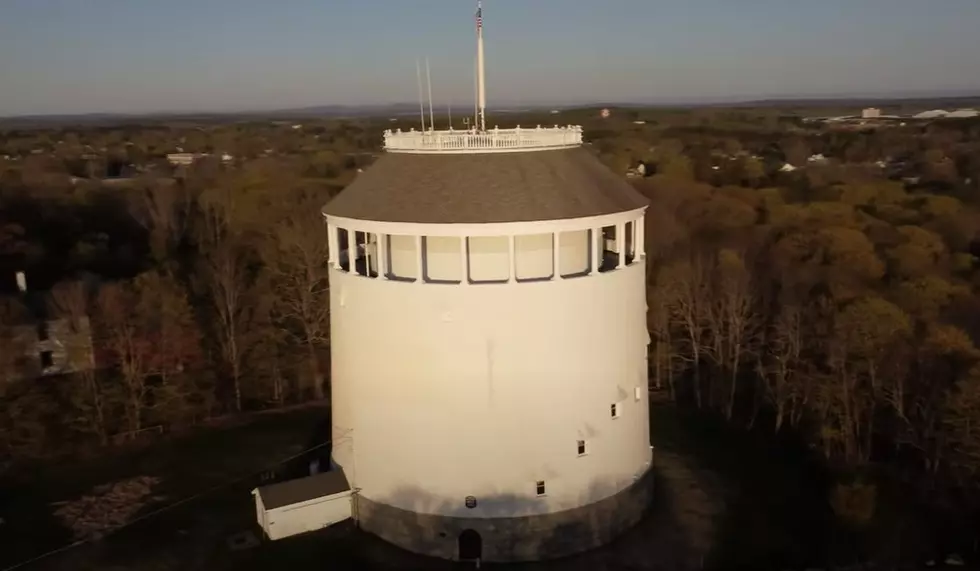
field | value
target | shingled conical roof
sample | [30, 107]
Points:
[485, 188]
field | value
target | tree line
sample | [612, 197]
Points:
[836, 302]
[848, 319]
[222, 306]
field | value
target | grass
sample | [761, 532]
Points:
[186, 465]
[770, 494]
[776, 510]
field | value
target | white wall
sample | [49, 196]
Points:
[308, 516]
[446, 391]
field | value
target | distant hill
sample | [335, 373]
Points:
[402, 109]
[953, 102]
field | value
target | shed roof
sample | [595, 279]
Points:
[303, 489]
[485, 188]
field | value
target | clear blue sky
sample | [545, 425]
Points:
[70, 56]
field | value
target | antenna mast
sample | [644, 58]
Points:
[481, 88]
[476, 97]
[428, 79]
[418, 76]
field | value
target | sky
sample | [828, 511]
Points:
[134, 56]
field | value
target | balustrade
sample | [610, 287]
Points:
[495, 140]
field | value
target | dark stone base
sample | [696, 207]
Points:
[513, 539]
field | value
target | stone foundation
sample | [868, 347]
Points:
[512, 539]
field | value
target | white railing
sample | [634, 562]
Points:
[494, 140]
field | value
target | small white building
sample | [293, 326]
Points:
[963, 114]
[933, 114]
[183, 159]
[871, 113]
[303, 505]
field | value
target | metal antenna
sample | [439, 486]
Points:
[481, 88]
[428, 79]
[476, 97]
[418, 75]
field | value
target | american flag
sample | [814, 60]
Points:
[479, 16]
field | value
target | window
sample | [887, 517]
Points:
[629, 238]
[581, 448]
[404, 262]
[608, 249]
[488, 259]
[47, 359]
[638, 393]
[534, 257]
[442, 259]
[344, 248]
[614, 410]
[540, 487]
[365, 252]
[575, 255]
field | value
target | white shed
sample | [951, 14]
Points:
[302, 505]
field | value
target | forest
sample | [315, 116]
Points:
[833, 304]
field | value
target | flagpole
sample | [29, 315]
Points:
[481, 92]
[428, 80]
[418, 76]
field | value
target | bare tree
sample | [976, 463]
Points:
[183, 391]
[297, 259]
[732, 322]
[780, 365]
[72, 302]
[228, 284]
[13, 317]
[658, 323]
[120, 336]
[686, 288]
[164, 210]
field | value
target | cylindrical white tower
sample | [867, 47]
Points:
[488, 334]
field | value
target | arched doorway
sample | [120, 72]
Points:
[470, 546]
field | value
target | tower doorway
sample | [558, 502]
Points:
[470, 546]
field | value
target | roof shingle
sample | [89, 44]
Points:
[303, 489]
[485, 188]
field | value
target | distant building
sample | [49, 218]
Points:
[183, 158]
[605, 113]
[48, 347]
[963, 114]
[871, 113]
[31, 348]
[933, 114]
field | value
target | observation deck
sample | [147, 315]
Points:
[490, 141]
